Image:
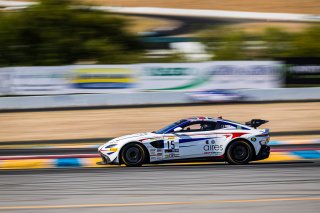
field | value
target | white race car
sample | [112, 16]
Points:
[192, 139]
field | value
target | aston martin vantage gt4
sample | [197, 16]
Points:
[191, 139]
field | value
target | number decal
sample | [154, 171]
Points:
[171, 147]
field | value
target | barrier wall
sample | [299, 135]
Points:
[88, 79]
[145, 84]
[148, 98]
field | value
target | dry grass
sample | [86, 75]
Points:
[259, 27]
[286, 6]
[116, 122]
[143, 24]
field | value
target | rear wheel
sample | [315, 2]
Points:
[133, 155]
[239, 153]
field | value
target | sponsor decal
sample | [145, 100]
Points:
[170, 138]
[212, 141]
[153, 152]
[253, 139]
[248, 69]
[102, 78]
[213, 147]
[212, 153]
[168, 71]
[171, 150]
[38, 80]
[170, 155]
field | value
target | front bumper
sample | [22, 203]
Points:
[105, 159]
[263, 153]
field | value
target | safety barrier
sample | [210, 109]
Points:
[148, 98]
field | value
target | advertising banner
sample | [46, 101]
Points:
[210, 75]
[171, 76]
[71, 79]
[5, 80]
[102, 78]
[39, 80]
[243, 74]
[84, 79]
[302, 72]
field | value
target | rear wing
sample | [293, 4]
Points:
[256, 123]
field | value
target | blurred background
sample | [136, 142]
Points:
[68, 54]
[75, 73]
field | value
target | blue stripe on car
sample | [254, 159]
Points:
[109, 153]
[187, 146]
[192, 139]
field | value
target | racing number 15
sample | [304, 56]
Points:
[170, 145]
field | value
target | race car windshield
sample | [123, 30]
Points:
[171, 126]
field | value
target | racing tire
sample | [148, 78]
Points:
[239, 153]
[133, 155]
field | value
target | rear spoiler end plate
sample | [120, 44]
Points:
[256, 123]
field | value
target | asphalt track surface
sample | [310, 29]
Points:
[257, 187]
[65, 151]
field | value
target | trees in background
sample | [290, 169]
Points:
[54, 33]
[226, 43]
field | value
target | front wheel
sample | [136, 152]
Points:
[239, 153]
[133, 155]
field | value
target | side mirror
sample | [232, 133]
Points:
[177, 129]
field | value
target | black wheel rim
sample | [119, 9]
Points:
[133, 155]
[240, 153]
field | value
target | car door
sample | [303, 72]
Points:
[197, 139]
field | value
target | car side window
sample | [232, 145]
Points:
[208, 126]
[199, 126]
[223, 125]
[193, 127]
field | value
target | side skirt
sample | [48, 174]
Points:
[186, 160]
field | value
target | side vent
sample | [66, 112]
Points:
[157, 144]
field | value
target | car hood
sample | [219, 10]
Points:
[133, 137]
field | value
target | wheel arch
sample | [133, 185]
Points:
[147, 159]
[242, 139]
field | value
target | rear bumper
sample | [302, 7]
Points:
[263, 153]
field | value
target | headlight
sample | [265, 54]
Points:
[110, 146]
